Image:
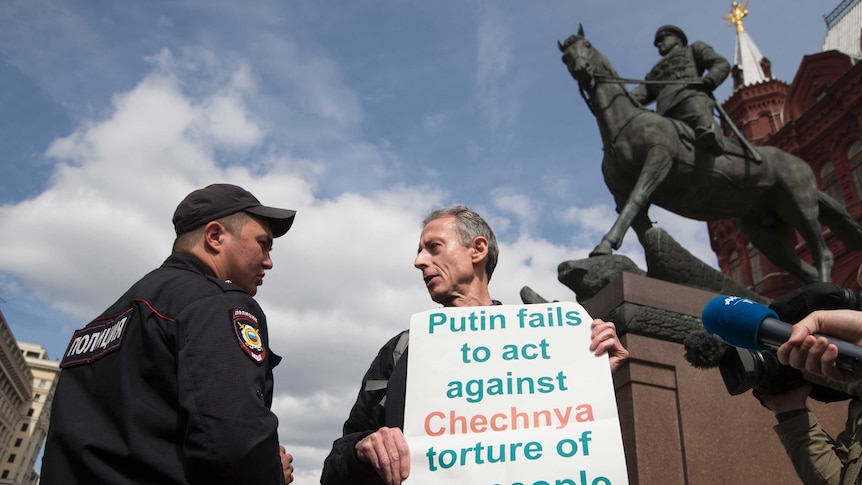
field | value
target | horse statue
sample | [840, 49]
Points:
[649, 159]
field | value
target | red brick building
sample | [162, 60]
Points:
[817, 117]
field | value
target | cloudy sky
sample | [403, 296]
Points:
[363, 116]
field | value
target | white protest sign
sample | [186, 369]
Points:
[510, 395]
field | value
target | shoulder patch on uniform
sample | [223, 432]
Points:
[247, 330]
[96, 340]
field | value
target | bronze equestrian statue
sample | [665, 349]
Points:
[650, 159]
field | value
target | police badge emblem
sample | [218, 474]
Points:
[247, 330]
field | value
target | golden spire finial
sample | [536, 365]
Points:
[737, 13]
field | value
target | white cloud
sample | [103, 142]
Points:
[114, 188]
[433, 124]
[533, 262]
[494, 55]
[226, 123]
[314, 78]
[598, 218]
[495, 91]
[511, 201]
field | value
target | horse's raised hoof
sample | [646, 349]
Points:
[603, 249]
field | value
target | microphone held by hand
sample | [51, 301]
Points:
[743, 323]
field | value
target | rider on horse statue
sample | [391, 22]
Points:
[680, 90]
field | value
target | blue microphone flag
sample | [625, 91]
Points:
[736, 320]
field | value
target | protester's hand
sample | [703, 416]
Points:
[807, 352]
[604, 339]
[387, 451]
[286, 464]
[786, 401]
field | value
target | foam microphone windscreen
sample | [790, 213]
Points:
[736, 320]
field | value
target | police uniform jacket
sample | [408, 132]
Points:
[170, 385]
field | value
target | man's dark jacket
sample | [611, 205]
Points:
[170, 385]
[380, 403]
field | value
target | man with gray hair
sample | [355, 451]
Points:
[457, 255]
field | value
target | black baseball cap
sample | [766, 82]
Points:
[219, 200]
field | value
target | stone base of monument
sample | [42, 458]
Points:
[679, 424]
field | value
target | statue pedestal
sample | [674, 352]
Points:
[679, 424]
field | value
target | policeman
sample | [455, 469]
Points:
[173, 382]
[690, 100]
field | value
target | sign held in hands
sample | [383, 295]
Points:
[510, 395]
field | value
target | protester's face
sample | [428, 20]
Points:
[666, 43]
[446, 264]
[247, 254]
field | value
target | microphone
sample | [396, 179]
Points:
[743, 323]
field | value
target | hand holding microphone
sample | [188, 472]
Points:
[807, 348]
[744, 323]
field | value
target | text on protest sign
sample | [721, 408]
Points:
[510, 395]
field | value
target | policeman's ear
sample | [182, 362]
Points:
[479, 249]
[214, 233]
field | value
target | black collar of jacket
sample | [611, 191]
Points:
[191, 262]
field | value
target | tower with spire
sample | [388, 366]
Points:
[817, 117]
[757, 97]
